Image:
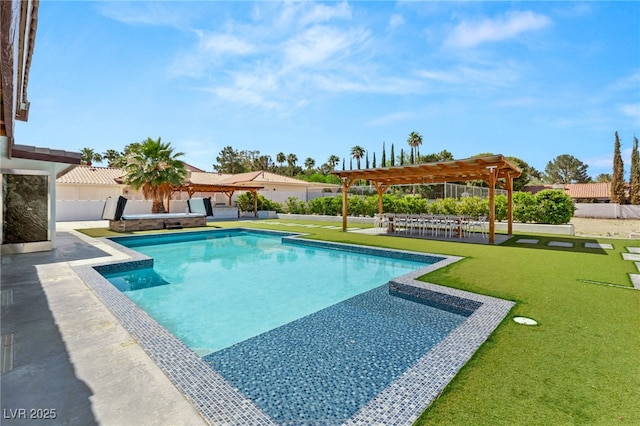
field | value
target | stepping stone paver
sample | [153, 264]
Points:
[633, 249]
[635, 280]
[559, 244]
[527, 241]
[599, 245]
[631, 256]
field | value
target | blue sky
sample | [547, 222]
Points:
[532, 80]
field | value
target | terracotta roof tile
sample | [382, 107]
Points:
[89, 175]
[577, 190]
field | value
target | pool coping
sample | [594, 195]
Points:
[402, 402]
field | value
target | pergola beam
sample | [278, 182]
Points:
[494, 170]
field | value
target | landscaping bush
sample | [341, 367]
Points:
[554, 207]
[325, 205]
[295, 206]
[245, 203]
[473, 206]
[524, 207]
[548, 206]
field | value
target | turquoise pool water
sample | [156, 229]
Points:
[213, 291]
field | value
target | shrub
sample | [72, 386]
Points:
[325, 205]
[554, 207]
[473, 206]
[501, 207]
[524, 207]
[245, 203]
[295, 206]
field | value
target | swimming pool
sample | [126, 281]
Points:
[222, 389]
[214, 290]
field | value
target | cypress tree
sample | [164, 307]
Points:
[617, 180]
[383, 162]
[393, 156]
[401, 156]
[374, 160]
[635, 173]
[366, 160]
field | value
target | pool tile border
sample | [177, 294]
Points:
[220, 403]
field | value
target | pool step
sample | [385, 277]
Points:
[172, 225]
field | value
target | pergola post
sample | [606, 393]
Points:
[255, 203]
[492, 203]
[380, 189]
[509, 181]
[346, 183]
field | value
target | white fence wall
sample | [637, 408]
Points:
[73, 210]
[607, 211]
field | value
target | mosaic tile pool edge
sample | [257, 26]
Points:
[220, 403]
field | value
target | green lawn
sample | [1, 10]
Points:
[580, 365]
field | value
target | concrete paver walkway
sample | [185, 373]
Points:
[66, 353]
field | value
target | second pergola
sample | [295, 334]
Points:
[494, 170]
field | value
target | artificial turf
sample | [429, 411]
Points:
[579, 365]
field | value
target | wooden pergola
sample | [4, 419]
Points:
[493, 170]
[228, 190]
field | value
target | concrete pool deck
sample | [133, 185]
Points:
[72, 355]
[65, 354]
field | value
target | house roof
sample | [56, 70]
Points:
[90, 175]
[45, 154]
[264, 177]
[577, 190]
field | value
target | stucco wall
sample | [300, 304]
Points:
[607, 211]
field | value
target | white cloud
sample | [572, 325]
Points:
[470, 34]
[631, 110]
[224, 44]
[395, 21]
[319, 44]
[143, 13]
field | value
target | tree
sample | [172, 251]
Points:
[292, 159]
[634, 193]
[566, 169]
[383, 161]
[374, 160]
[520, 182]
[112, 156]
[393, 156]
[154, 167]
[617, 180]
[357, 152]
[603, 178]
[88, 156]
[309, 163]
[281, 158]
[333, 161]
[414, 140]
[443, 155]
[229, 161]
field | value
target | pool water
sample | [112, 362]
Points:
[323, 368]
[215, 291]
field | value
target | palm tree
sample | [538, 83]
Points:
[153, 167]
[88, 156]
[333, 161]
[112, 156]
[357, 152]
[292, 159]
[281, 158]
[309, 163]
[414, 140]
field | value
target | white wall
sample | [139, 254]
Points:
[78, 210]
[607, 211]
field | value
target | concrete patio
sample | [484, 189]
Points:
[65, 356]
